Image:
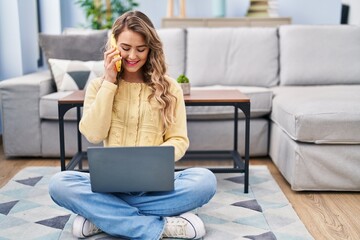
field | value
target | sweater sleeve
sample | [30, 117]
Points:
[97, 111]
[176, 135]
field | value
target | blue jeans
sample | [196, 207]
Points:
[138, 216]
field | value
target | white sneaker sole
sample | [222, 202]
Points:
[195, 221]
[77, 231]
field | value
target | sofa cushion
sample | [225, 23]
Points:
[174, 49]
[260, 98]
[49, 106]
[83, 47]
[232, 56]
[319, 55]
[83, 31]
[318, 114]
[74, 75]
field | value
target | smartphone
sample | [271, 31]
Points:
[113, 44]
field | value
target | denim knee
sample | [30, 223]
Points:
[211, 183]
[55, 184]
[206, 182]
[58, 185]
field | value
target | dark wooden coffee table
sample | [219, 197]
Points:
[197, 98]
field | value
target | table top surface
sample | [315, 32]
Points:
[75, 97]
[196, 96]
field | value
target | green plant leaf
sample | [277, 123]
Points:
[182, 79]
[97, 17]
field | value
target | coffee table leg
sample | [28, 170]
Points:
[78, 117]
[247, 148]
[245, 108]
[61, 134]
[236, 118]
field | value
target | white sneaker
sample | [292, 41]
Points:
[83, 228]
[187, 225]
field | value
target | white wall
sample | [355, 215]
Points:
[18, 30]
[10, 41]
[301, 11]
[71, 14]
[28, 35]
[354, 14]
[311, 11]
[50, 14]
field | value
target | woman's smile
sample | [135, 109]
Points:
[131, 63]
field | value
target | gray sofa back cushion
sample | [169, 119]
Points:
[319, 55]
[174, 49]
[232, 56]
[82, 47]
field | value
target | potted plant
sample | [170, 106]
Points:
[184, 83]
[102, 13]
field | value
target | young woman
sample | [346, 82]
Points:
[138, 106]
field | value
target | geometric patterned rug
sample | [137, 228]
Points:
[28, 213]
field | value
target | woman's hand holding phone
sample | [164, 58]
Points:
[112, 62]
[114, 45]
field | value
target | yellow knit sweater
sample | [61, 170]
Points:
[123, 116]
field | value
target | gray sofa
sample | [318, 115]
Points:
[303, 82]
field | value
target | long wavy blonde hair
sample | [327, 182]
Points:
[154, 69]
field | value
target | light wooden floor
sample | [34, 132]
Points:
[326, 215]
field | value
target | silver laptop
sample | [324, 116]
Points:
[131, 169]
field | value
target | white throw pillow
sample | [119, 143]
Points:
[71, 75]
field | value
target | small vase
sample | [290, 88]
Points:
[185, 88]
[218, 8]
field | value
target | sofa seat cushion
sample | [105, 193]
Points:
[232, 56]
[49, 106]
[260, 99]
[318, 114]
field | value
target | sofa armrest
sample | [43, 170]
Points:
[19, 99]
